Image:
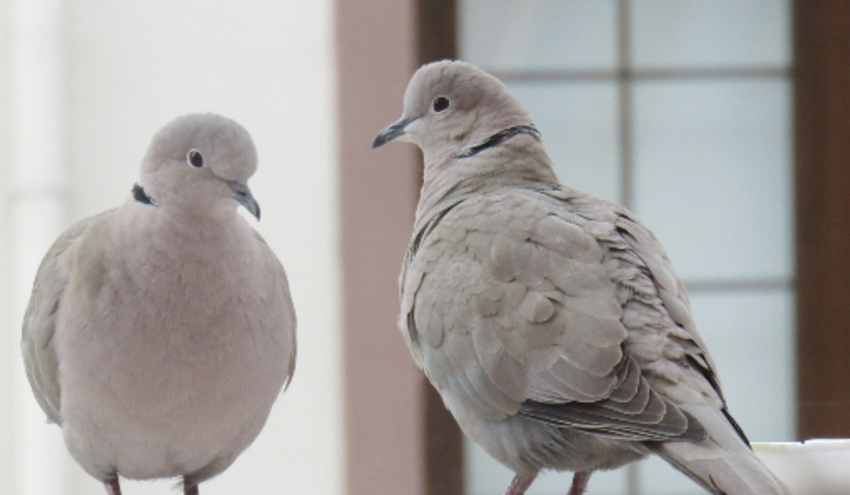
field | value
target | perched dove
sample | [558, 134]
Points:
[551, 322]
[160, 333]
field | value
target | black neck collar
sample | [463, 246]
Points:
[141, 196]
[499, 138]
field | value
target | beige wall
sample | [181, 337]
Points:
[384, 402]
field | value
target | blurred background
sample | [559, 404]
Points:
[723, 125]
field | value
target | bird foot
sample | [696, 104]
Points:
[579, 486]
[112, 486]
[519, 485]
[190, 490]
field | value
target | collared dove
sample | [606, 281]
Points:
[159, 334]
[551, 322]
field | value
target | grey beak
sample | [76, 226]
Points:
[395, 130]
[242, 194]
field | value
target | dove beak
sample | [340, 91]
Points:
[395, 130]
[243, 195]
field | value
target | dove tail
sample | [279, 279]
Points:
[722, 464]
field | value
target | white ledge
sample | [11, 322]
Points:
[813, 467]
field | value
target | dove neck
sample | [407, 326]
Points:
[184, 217]
[518, 162]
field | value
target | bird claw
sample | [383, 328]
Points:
[579, 486]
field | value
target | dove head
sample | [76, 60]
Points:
[451, 106]
[200, 163]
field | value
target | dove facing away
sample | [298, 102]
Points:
[159, 334]
[551, 322]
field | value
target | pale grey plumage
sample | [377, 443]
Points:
[160, 333]
[552, 322]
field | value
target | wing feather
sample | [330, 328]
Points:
[39, 326]
[538, 317]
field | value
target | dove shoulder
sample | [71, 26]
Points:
[39, 326]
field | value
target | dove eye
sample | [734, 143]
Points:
[195, 159]
[441, 103]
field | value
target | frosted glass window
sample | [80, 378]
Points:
[485, 476]
[580, 129]
[751, 337]
[713, 175]
[700, 33]
[538, 34]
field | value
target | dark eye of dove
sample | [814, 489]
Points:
[441, 103]
[195, 159]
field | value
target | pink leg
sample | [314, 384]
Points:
[189, 490]
[112, 487]
[579, 486]
[519, 485]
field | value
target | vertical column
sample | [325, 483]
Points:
[822, 126]
[624, 43]
[37, 204]
[376, 55]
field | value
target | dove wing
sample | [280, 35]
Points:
[656, 309]
[39, 327]
[509, 306]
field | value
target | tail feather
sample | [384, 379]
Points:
[723, 464]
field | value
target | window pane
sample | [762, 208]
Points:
[713, 175]
[579, 126]
[538, 34]
[751, 337]
[699, 33]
